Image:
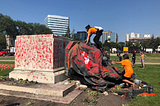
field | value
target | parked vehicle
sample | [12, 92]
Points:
[12, 51]
[149, 50]
[4, 52]
[8, 52]
[158, 49]
[138, 51]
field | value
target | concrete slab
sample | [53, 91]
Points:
[60, 92]
[41, 76]
[59, 89]
[66, 99]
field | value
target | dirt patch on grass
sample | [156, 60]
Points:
[86, 98]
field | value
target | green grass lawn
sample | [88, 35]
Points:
[151, 75]
[5, 72]
[153, 58]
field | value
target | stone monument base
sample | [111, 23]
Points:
[46, 76]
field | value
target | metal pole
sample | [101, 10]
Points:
[109, 50]
[109, 38]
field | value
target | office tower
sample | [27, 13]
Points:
[58, 24]
[104, 37]
[82, 35]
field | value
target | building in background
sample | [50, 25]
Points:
[104, 37]
[139, 40]
[82, 35]
[136, 38]
[132, 35]
[147, 35]
[114, 37]
[58, 24]
[10, 41]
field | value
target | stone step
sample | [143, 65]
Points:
[59, 92]
[66, 99]
[58, 89]
[41, 76]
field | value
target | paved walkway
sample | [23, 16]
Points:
[148, 63]
[6, 60]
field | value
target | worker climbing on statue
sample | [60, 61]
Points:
[95, 30]
[98, 31]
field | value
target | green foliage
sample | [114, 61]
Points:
[119, 45]
[92, 97]
[75, 38]
[151, 43]
[7, 25]
[157, 42]
[106, 48]
[31, 103]
[1, 99]
[14, 28]
[129, 45]
[67, 33]
[31, 28]
[2, 41]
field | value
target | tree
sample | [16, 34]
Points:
[41, 29]
[21, 27]
[72, 34]
[157, 42]
[145, 44]
[137, 46]
[152, 43]
[110, 45]
[7, 25]
[2, 41]
[121, 44]
[31, 28]
[67, 33]
[129, 45]
[75, 38]
[2, 24]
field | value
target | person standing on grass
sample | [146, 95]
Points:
[142, 59]
[119, 55]
[133, 58]
[128, 70]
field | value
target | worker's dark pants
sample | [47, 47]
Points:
[97, 37]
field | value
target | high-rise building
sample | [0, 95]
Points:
[82, 35]
[114, 37]
[58, 24]
[104, 37]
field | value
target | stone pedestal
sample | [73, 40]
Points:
[40, 58]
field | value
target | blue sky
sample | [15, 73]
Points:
[120, 16]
